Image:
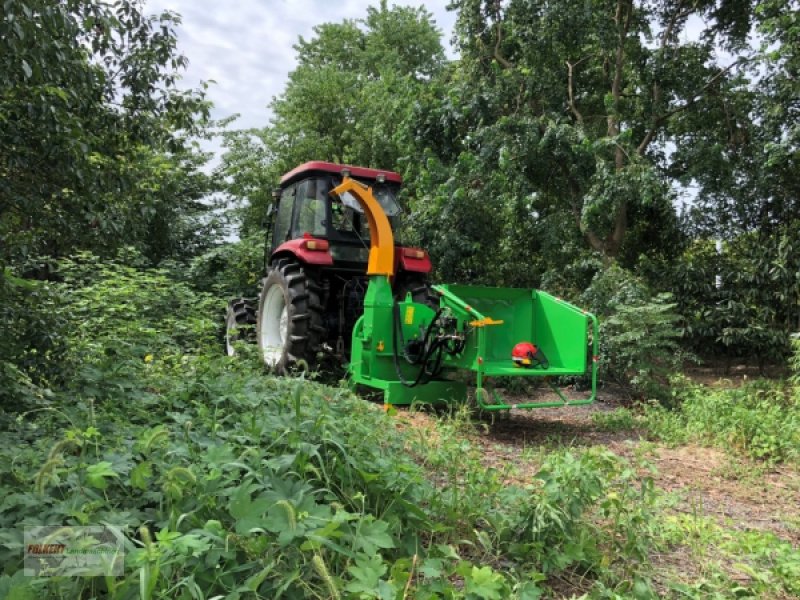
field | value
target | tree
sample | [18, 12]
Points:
[750, 191]
[594, 91]
[93, 128]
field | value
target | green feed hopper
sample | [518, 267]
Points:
[413, 353]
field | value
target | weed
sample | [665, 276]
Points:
[760, 420]
[621, 419]
[751, 563]
[736, 469]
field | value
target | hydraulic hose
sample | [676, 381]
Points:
[432, 351]
[423, 359]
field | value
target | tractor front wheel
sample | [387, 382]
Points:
[240, 323]
[290, 327]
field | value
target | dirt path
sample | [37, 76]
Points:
[739, 494]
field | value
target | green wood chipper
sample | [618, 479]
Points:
[394, 332]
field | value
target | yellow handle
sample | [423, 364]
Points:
[484, 322]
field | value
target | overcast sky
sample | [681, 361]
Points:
[246, 46]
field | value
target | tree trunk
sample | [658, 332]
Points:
[622, 17]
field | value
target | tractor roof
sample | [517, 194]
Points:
[327, 167]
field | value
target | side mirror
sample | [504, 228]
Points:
[266, 217]
[272, 208]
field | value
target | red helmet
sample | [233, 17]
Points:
[523, 353]
[526, 354]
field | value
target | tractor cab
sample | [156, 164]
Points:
[318, 229]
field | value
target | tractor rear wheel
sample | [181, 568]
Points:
[240, 323]
[290, 329]
[418, 287]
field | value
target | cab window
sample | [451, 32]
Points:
[312, 204]
[284, 217]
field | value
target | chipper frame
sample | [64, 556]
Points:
[411, 351]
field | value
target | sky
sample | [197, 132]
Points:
[246, 46]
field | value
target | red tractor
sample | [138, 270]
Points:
[315, 282]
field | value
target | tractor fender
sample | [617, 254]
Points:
[299, 250]
[408, 259]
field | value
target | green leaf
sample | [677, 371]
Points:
[372, 535]
[367, 573]
[16, 587]
[140, 474]
[97, 475]
[248, 513]
[191, 544]
[432, 568]
[484, 583]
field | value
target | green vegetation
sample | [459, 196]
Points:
[759, 420]
[751, 565]
[550, 153]
[96, 136]
[232, 482]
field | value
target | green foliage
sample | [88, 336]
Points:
[591, 92]
[621, 419]
[581, 512]
[98, 329]
[639, 333]
[751, 313]
[553, 525]
[760, 420]
[763, 565]
[33, 328]
[93, 132]
[230, 270]
[127, 321]
[794, 361]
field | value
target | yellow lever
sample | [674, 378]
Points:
[485, 322]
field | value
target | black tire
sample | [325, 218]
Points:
[240, 323]
[419, 288]
[298, 345]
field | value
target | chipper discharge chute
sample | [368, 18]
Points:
[412, 350]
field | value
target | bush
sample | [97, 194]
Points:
[126, 322]
[33, 339]
[264, 472]
[794, 362]
[639, 333]
[96, 327]
[230, 270]
[750, 314]
[760, 420]
[555, 524]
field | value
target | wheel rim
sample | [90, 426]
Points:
[274, 325]
[230, 326]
